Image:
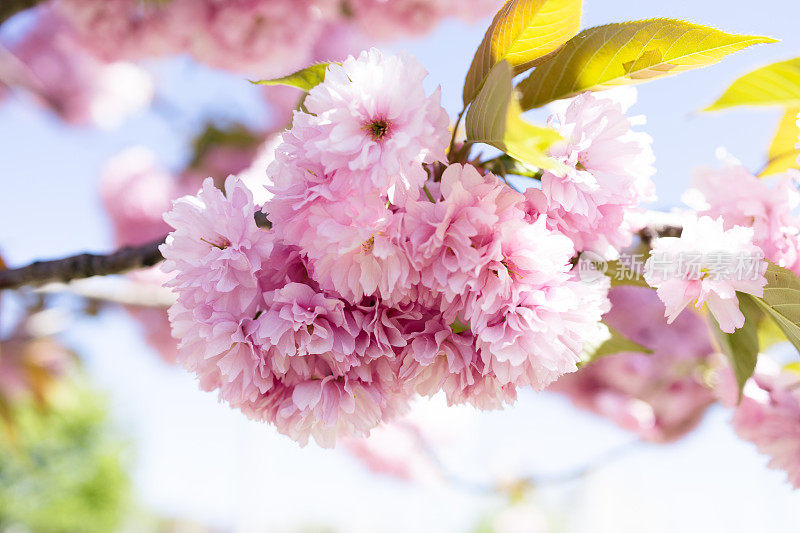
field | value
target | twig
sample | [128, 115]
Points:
[147, 255]
[89, 265]
[452, 146]
[82, 266]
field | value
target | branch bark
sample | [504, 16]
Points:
[82, 266]
[9, 8]
[88, 265]
[147, 255]
[134, 257]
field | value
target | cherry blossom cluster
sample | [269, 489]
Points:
[64, 75]
[386, 273]
[595, 196]
[258, 37]
[79, 57]
[660, 395]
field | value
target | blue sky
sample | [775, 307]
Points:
[198, 458]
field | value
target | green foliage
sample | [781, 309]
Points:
[614, 343]
[781, 301]
[304, 79]
[777, 84]
[742, 345]
[494, 119]
[234, 136]
[782, 152]
[459, 327]
[628, 53]
[60, 471]
[505, 164]
[522, 32]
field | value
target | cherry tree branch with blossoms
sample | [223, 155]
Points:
[398, 264]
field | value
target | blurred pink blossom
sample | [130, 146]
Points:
[660, 396]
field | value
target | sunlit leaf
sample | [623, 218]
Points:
[522, 32]
[628, 53]
[614, 342]
[742, 345]
[494, 119]
[777, 84]
[783, 154]
[505, 164]
[304, 79]
[782, 301]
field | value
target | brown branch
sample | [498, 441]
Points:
[147, 255]
[88, 265]
[9, 8]
[82, 266]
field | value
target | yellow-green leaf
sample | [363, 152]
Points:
[304, 79]
[781, 301]
[494, 119]
[742, 345]
[627, 53]
[777, 84]
[613, 343]
[783, 153]
[522, 32]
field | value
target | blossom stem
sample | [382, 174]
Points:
[428, 194]
[452, 147]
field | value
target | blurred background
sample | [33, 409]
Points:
[102, 433]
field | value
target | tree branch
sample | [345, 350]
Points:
[88, 265]
[147, 255]
[9, 8]
[82, 266]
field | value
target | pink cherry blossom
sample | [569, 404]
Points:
[216, 248]
[389, 19]
[539, 335]
[136, 193]
[769, 417]
[707, 264]
[661, 395]
[766, 205]
[452, 241]
[371, 118]
[64, 76]
[605, 174]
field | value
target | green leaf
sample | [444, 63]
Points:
[615, 342]
[459, 327]
[777, 84]
[769, 334]
[628, 53]
[522, 32]
[783, 154]
[742, 345]
[304, 79]
[494, 119]
[781, 301]
[505, 164]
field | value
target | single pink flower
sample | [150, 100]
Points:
[766, 205]
[605, 175]
[707, 264]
